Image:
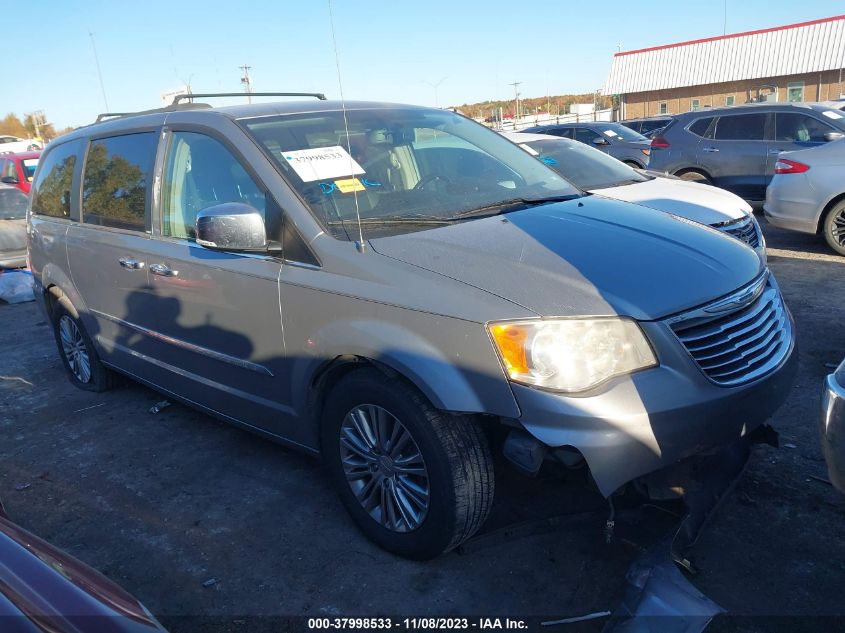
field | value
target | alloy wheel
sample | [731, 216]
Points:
[74, 349]
[384, 467]
[837, 227]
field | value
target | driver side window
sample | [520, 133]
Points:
[201, 173]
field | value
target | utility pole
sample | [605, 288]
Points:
[247, 82]
[99, 74]
[436, 86]
[515, 84]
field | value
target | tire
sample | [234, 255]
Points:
[834, 227]
[633, 164]
[451, 450]
[695, 176]
[78, 352]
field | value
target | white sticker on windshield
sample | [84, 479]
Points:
[530, 150]
[609, 133]
[322, 163]
[830, 114]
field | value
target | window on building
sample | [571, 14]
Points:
[695, 104]
[795, 91]
[117, 175]
[741, 127]
[663, 108]
[729, 100]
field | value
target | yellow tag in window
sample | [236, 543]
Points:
[349, 185]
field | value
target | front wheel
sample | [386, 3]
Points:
[834, 228]
[695, 176]
[417, 481]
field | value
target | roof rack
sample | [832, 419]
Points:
[170, 108]
[196, 95]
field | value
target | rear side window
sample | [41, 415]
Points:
[700, 127]
[799, 128]
[563, 132]
[741, 127]
[115, 189]
[51, 189]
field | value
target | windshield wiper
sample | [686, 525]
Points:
[510, 205]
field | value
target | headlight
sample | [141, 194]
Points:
[570, 354]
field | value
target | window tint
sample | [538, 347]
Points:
[51, 189]
[585, 135]
[741, 127]
[9, 169]
[117, 175]
[700, 126]
[201, 173]
[563, 132]
[795, 127]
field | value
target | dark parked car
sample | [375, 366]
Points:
[649, 125]
[736, 148]
[12, 227]
[45, 589]
[615, 139]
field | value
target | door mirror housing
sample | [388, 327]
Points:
[231, 226]
[9, 180]
[600, 141]
[833, 136]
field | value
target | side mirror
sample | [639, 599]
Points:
[600, 141]
[9, 180]
[231, 226]
[832, 136]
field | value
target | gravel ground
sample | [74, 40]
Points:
[164, 503]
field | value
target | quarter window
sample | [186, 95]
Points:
[741, 127]
[800, 128]
[51, 189]
[9, 170]
[795, 91]
[115, 190]
[700, 126]
[201, 173]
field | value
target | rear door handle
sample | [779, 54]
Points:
[710, 150]
[131, 264]
[164, 271]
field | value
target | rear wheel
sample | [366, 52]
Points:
[834, 227]
[78, 354]
[632, 164]
[417, 481]
[695, 176]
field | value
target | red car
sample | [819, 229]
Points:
[19, 169]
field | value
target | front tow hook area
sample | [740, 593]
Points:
[659, 596]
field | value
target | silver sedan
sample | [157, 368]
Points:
[807, 193]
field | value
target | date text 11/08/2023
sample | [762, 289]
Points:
[417, 624]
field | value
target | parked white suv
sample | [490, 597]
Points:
[13, 145]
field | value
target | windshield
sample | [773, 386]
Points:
[618, 131]
[29, 165]
[583, 166]
[12, 204]
[407, 169]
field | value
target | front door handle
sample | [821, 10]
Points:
[130, 264]
[710, 150]
[164, 271]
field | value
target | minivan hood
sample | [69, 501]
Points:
[692, 200]
[589, 256]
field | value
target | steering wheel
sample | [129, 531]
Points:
[430, 178]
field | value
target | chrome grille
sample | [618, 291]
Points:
[742, 345]
[744, 229]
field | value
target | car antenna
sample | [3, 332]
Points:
[360, 243]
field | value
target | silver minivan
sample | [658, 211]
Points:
[399, 289]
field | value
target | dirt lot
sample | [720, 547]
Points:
[163, 503]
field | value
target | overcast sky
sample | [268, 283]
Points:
[388, 49]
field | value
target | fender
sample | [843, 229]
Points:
[53, 280]
[467, 378]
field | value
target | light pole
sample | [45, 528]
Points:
[436, 86]
[247, 82]
[515, 84]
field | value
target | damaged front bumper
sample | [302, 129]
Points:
[833, 426]
[653, 418]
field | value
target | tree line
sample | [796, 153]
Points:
[12, 125]
[558, 104]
